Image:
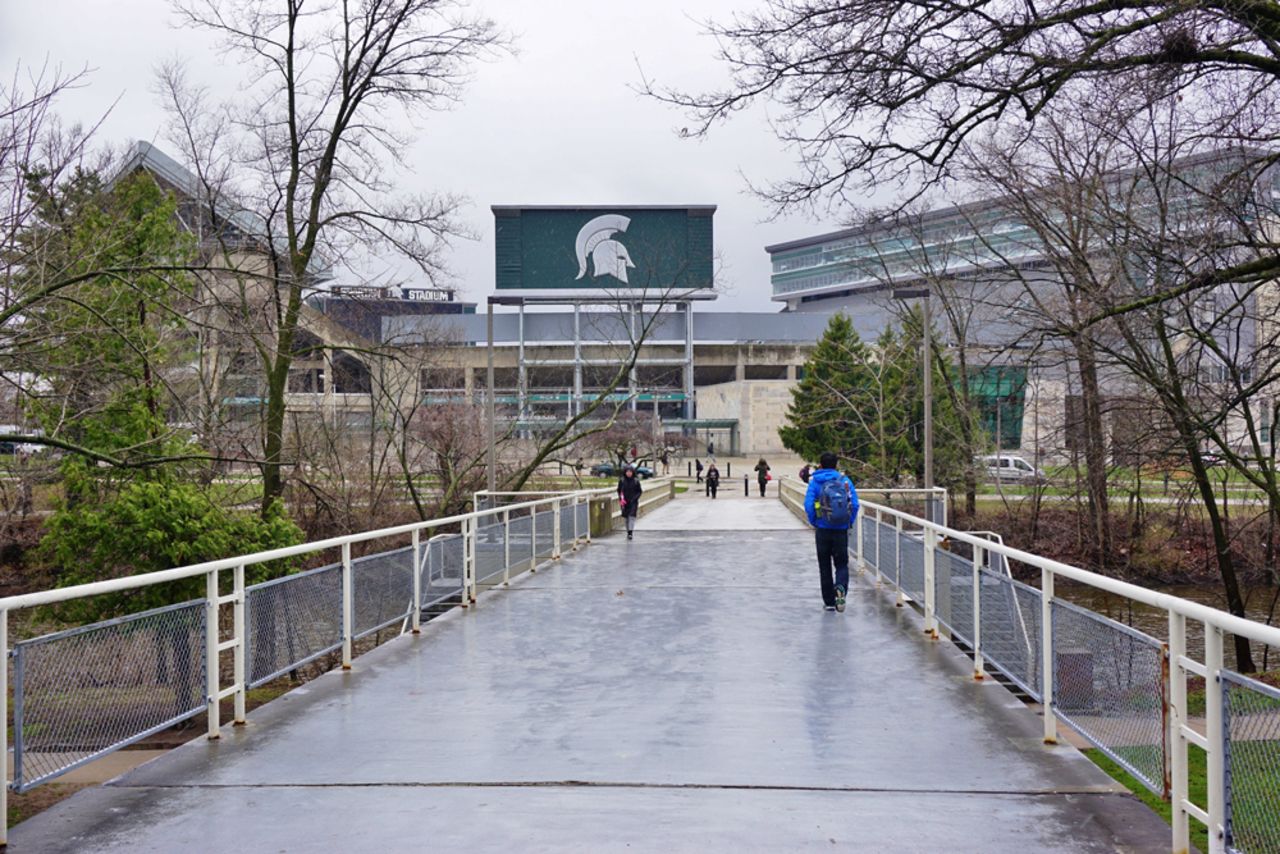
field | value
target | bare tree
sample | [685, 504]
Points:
[876, 92]
[302, 160]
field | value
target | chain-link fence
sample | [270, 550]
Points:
[869, 534]
[911, 570]
[382, 589]
[545, 528]
[491, 551]
[292, 621]
[1011, 629]
[888, 542]
[1109, 685]
[521, 536]
[82, 693]
[953, 593]
[443, 569]
[1251, 711]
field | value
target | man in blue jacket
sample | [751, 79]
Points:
[831, 503]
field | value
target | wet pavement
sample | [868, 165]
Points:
[681, 692]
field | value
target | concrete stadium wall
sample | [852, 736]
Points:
[759, 405]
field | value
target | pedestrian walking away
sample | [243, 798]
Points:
[831, 503]
[762, 475]
[713, 480]
[805, 472]
[697, 468]
[629, 498]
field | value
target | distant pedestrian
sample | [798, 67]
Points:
[831, 503]
[666, 462]
[697, 468]
[711, 449]
[629, 497]
[804, 473]
[762, 475]
[713, 480]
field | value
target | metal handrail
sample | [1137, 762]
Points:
[1180, 666]
[214, 599]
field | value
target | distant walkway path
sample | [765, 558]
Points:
[729, 511]
[682, 692]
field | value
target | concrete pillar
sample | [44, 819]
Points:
[791, 372]
[469, 385]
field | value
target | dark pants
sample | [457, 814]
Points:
[762, 483]
[712, 486]
[833, 546]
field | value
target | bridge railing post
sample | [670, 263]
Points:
[555, 532]
[930, 558]
[1046, 655]
[506, 547]
[212, 658]
[415, 624]
[1215, 763]
[979, 666]
[879, 565]
[862, 564]
[348, 607]
[533, 538]
[4, 730]
[239, 666]
[1177, 739]
[897, 560]
[469, 531]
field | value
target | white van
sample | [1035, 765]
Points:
[1009, 467]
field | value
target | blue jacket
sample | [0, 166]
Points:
[816, 480]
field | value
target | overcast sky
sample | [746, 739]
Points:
[559, 123]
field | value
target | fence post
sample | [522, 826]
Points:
[573, 508]
[1178, 783]
[415, 623]
[1046, 654]
[879, 566]
[212, 660]
[242, 638]
[1215, 778]
[979, 666]
[469, 534]
[555, 533]
[930, 557]
[862, 563]
[4, 730]
[897, 560]
[506, 547]
[348, 606]
[533, 538]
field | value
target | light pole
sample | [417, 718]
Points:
[926, 366]
[493, 430]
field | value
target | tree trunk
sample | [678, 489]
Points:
[1095, 452]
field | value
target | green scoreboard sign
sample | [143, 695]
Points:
[610, 249]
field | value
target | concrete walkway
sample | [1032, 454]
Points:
[682, 692]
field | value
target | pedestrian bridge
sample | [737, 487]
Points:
[681, 692]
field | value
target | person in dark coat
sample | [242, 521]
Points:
[804, 473]
[713, 480]
[762, 474]
[629, 497]
[697, 467]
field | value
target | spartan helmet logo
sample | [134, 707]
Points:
[608, 256]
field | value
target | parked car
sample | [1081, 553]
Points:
[1008, 467]
[612, 470]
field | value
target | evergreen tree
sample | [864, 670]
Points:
[865, 404]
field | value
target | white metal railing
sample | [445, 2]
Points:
[1177, 666]
[225, 588]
